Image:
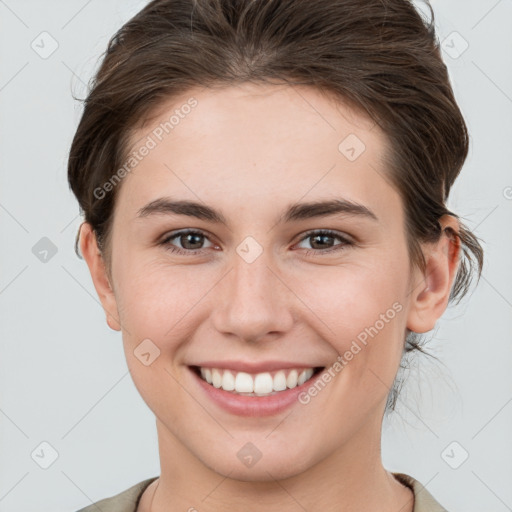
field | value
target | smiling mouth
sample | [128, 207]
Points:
[260, 384]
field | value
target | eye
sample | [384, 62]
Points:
[190, 240]
[321, 237]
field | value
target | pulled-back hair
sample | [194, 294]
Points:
[381, 57]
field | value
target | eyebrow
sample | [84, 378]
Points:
[294, 212]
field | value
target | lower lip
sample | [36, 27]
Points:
[254, 405]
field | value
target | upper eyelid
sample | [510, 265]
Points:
[173, 234]
[327, 231]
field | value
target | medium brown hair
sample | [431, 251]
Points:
[379, 56]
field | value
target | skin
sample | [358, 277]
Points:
[249, 151]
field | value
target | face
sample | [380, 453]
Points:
[260, 282]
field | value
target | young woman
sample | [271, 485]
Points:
[264, 186]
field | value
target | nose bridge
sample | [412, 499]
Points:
[253, 300]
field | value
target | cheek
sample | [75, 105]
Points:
[363, 309]
[157, 303]
[353, 298]
[155, 299]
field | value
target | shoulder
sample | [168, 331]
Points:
[125, 501]
[423, 500]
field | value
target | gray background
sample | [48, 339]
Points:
[63, 376]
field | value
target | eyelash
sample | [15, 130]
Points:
[315, 232]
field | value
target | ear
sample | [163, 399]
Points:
[431, 290]
[95, 262]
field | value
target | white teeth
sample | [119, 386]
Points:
[244, 383]
[216, 378]
[291, 380]
[263, 383]
[279, 381]
[259, 384]
[302, 378]
[228, 381]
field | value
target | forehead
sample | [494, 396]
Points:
[258, 113]
[257, 141]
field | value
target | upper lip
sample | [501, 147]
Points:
[253, 367]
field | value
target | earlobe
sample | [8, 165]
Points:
[113, 323]
[92, 255]
[431, 292]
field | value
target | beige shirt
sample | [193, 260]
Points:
[128, 501]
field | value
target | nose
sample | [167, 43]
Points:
[253, 302]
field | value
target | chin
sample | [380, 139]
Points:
[266, 469]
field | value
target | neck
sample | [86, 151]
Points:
[348, 479]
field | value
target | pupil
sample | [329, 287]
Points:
[322, 237]
[192, 235]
